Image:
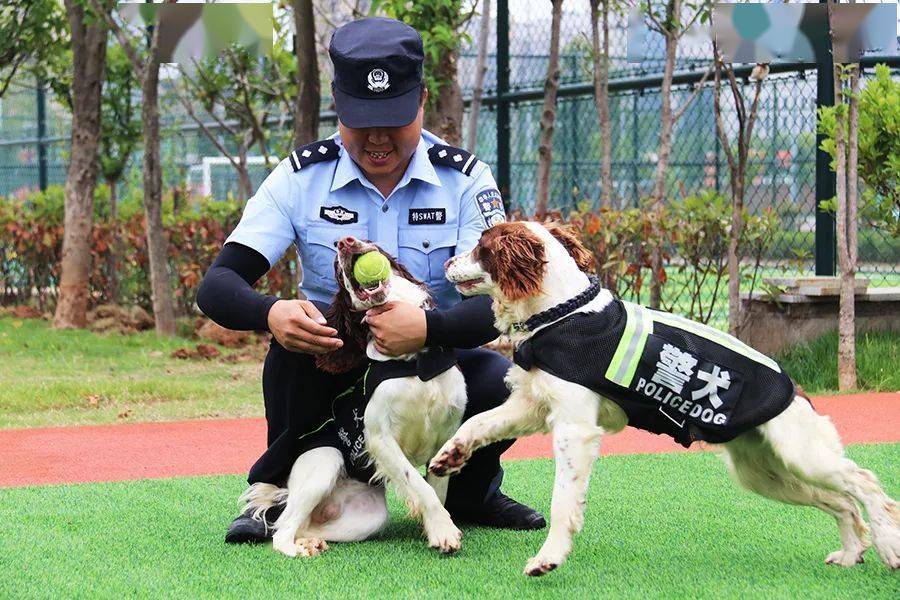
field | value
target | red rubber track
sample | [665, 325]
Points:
[219, 447]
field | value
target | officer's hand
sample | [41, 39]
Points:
[398, 327]
[300, 327]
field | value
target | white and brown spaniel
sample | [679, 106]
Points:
[588, 363]
[406, 408]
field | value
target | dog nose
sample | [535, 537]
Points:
[447, 263]
[346, 242]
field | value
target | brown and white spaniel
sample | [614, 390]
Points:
[410, 405]
[782, 449]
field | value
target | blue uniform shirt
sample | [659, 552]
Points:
[434, 212]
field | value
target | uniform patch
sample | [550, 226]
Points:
[687, 387]
[338, 215]
[490, 203]
[427, 216]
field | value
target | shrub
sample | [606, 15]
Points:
[695, 242]
[31, 248]
[879, 149]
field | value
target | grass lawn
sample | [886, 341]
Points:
[61, 377]
[657, 526]
[814, 365]
[50, 377]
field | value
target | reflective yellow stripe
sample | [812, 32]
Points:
[625, 360]
[714, 335]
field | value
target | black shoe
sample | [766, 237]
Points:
[249, 530]
[502, 512]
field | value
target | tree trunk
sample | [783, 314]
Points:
[157, 246]
[89, 64]
[601, 95]
[178, 197]
[662, 159]
[306, 105]
[444, 117]
[548, 115]
[480, 70]
[846, 158]
[734, 257]
[245, 186]
[112, 268]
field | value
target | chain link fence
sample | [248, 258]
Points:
[781, 171]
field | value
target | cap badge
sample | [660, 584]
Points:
[378, 80]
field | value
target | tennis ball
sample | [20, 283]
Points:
[371, 267]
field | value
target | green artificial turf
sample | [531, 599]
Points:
[671, 526]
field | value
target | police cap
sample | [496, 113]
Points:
[377, 72]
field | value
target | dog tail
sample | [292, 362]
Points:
[260, 497]
[798, 391]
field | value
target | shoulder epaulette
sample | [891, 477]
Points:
[312, 153]
[455, 158]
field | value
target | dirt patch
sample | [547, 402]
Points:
[213, 332]
[21, 312]
[201, 351]
[108, 318]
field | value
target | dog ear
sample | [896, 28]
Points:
[350, 328]
[566, 236]
[515, 259]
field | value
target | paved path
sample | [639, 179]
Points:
[218, 447]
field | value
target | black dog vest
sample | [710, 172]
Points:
[669, 374]
[349, 408]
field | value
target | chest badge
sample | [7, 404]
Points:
[378, 80]
[338, 215]
[427, 216]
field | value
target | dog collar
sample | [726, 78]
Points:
[559, 311]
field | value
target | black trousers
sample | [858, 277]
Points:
[298, 399]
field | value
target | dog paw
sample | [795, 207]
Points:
[539, 565]
[311, 546]
[285, 544]
[887, 544]
[449, 460]
[844, 558]
[444, 537]
[303, 547]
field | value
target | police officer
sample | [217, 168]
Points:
[385, 179]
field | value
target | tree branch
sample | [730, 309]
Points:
[657, 26]
[122, 37]
[691, 23]
[751, 119]
[720, 126]
[693, 95]
[212, 138]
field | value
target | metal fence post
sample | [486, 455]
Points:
[503, 129]
[773, 160]
[635, 170]
[41, 135]
[573, 140]
[826, 181]
[717, 165]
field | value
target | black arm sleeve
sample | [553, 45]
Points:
[469, 324]
[226, 294]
